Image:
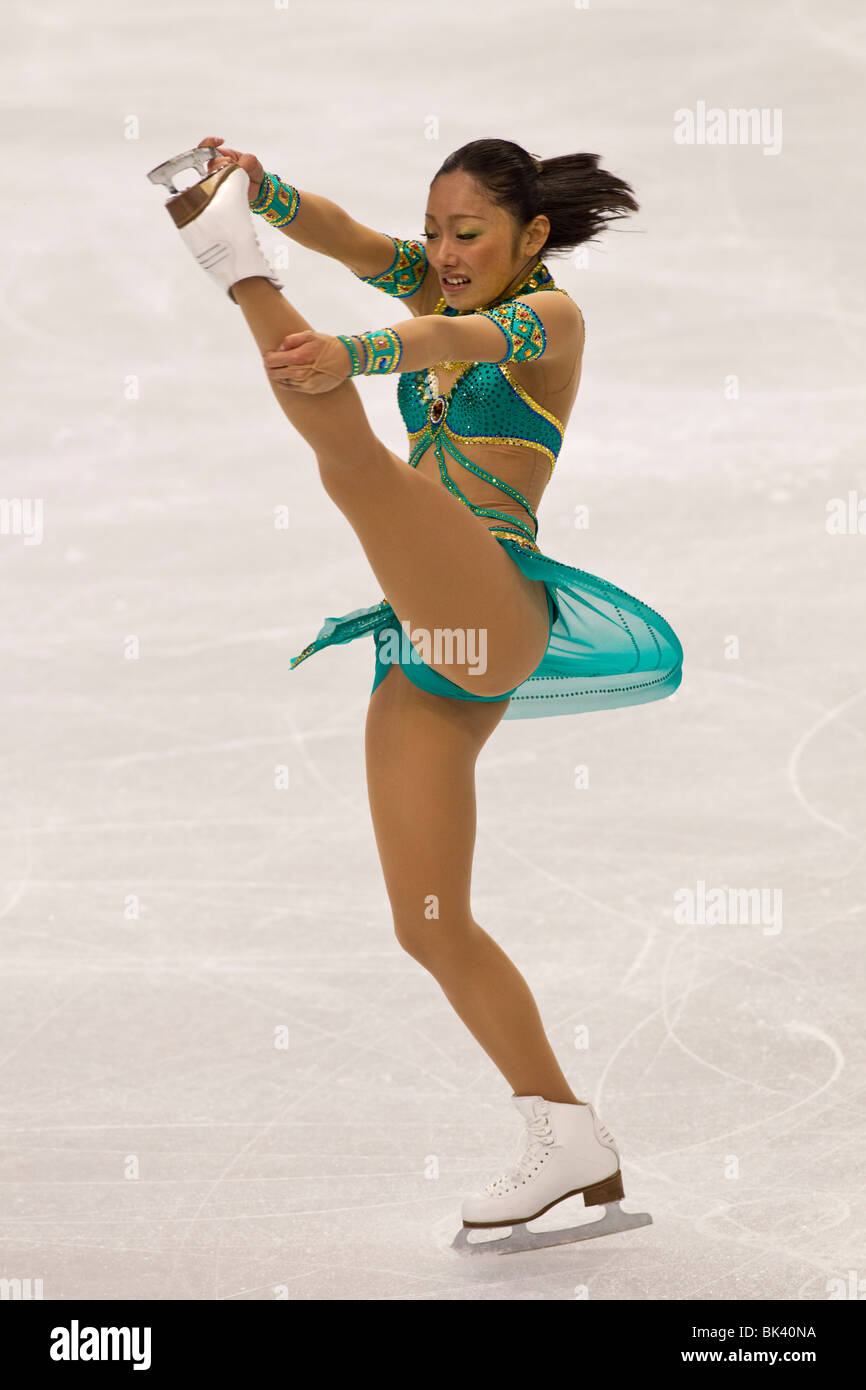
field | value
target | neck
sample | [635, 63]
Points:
[514, 285]
[520, 278]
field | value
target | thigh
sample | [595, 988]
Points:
[421, 751]
[468, 610]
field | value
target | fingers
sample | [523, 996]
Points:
[307, 380]
[285, 367]
[298, 349]
[297, 363]
[296, 376]
[293, 340]
[314, 387]
[223, 156]
[277, 359]
[282, 373]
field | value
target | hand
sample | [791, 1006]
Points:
[250, 164]
[308, 361]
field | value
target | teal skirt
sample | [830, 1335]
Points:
[606, 648]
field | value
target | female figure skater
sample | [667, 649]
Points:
[478, 624]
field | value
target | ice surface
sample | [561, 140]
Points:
[166, 909]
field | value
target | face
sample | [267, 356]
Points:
[475, 241]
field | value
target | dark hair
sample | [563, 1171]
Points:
[578, 198]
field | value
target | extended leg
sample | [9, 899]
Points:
[421, 752]
[437, 564]
[324, 421]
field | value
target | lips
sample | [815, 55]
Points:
[461, 286]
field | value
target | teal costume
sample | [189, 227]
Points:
[606, 648]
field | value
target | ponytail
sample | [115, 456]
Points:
[577, 197]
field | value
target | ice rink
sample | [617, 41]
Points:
[222, 1078]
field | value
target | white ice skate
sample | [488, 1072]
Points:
[568, 1151]
[214, 219]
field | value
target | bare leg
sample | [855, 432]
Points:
[438, 565]
[421, 755]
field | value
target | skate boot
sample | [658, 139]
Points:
[214, 219]
[568, 1152]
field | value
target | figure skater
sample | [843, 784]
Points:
[478, 624]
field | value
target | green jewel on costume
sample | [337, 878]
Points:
[277, 202]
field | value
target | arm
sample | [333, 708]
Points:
[399, 268]
[424, 341]
[551, 326]
[547, 324]
[322, 225]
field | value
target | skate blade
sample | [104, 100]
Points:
[522, 1238]
[197, 159]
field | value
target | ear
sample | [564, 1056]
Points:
[539, 231]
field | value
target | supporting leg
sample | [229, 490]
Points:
[421, 753]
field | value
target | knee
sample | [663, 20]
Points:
[432, 940]
[413, 935]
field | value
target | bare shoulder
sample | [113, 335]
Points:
[556, 308]
[561, 320]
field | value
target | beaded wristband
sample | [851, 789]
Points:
[277, 202]
[349, 344]
[383, 352]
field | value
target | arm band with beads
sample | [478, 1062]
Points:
[381, 352]
[277, 202]
[523, 329]
[406, 272]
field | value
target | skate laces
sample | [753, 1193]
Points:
[540, 1135]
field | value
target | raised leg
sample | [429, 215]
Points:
[438, 565]
[421, 752]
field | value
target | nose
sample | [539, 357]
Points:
[445, 258]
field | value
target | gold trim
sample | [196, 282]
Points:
[495, 439]
[515, 536]
[413, 437]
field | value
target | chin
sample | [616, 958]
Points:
[465, 301]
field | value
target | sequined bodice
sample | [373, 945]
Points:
[486, 405]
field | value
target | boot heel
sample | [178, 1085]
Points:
[191, 201]
[610, 1190]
